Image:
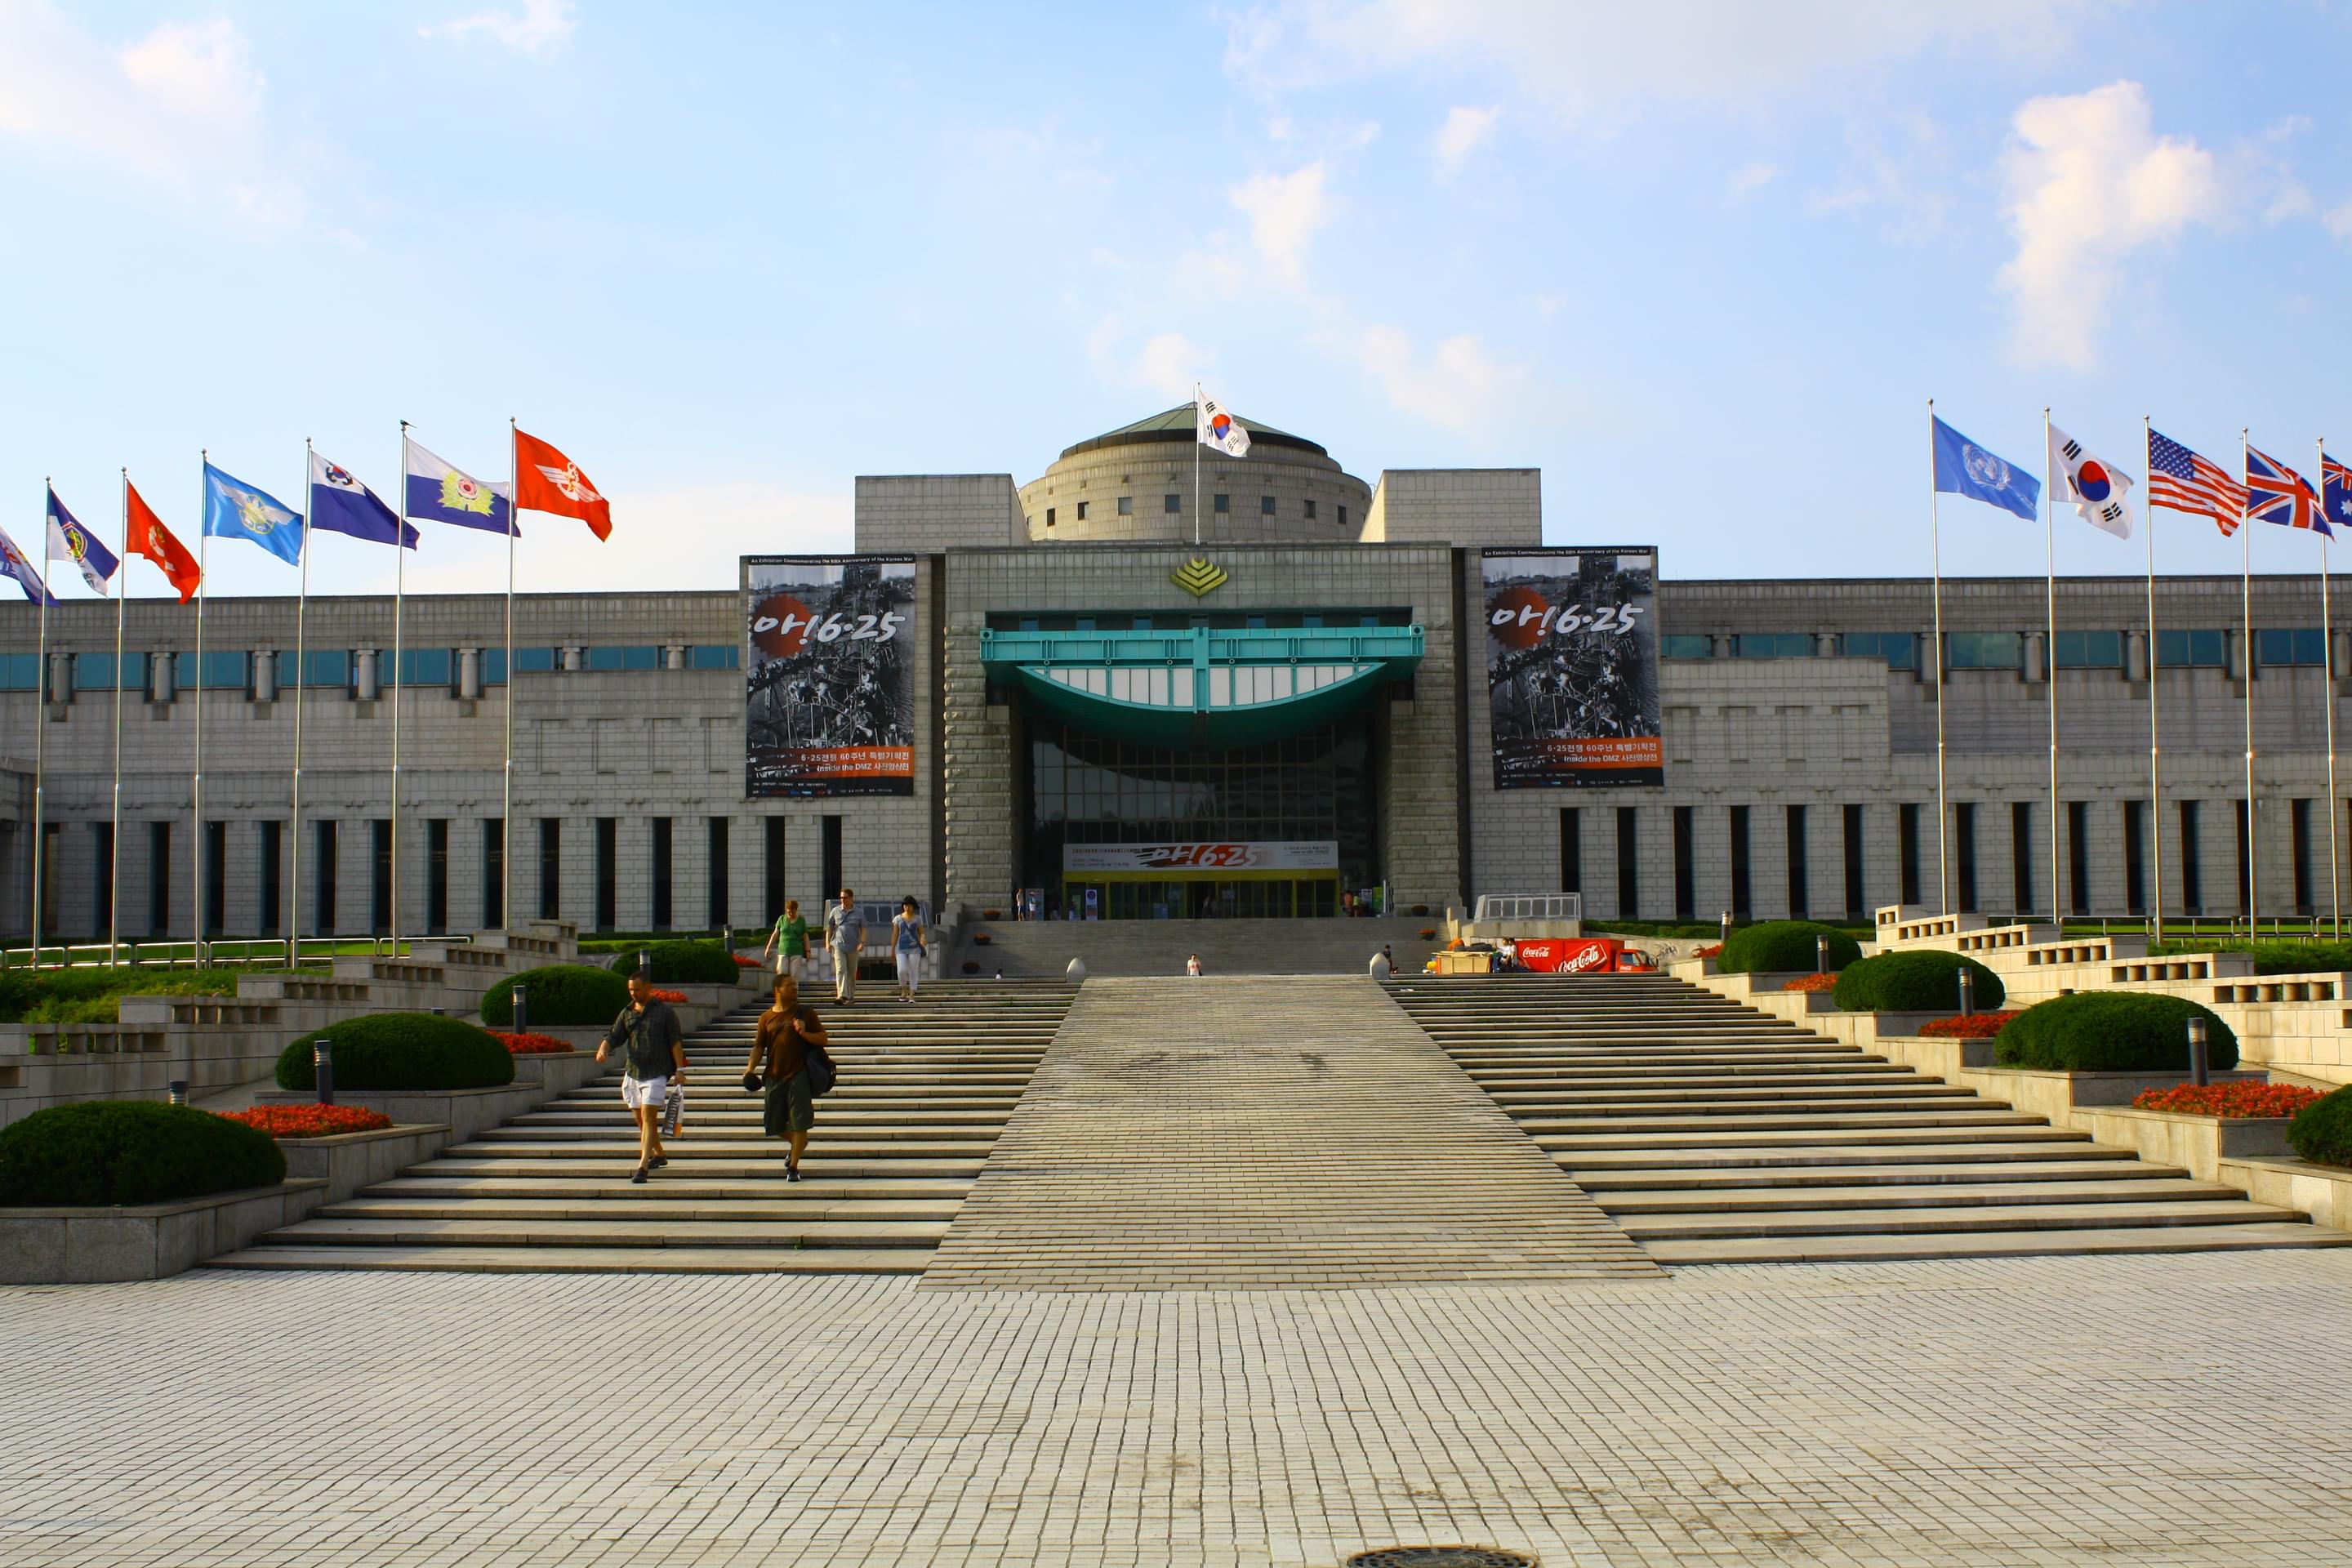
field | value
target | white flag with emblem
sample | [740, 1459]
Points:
[2096, 487]
[1219, 428]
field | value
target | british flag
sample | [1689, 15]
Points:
[2179, 479]
[2276, 493]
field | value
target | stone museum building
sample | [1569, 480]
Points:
[1158, 682]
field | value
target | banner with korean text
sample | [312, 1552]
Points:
[1572, 666]
[829, 675]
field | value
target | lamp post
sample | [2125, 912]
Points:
[2199, 1061]
[1726, 931]
[521, 1008]
[178, 1091]
[322, 1060]
[1820, 955]
[646, 961]
[1967, 995]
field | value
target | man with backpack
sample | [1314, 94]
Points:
[789, 1064]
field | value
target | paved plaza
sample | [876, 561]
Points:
[2121, 1409]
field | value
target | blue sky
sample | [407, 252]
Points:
[1702, 262]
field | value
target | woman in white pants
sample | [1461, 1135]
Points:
[907, 946]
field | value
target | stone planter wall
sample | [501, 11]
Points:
[2323, 1192]
[351, 1161]
[466, 1113]
[84, 1246]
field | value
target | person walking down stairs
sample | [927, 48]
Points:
[907, 947]
[844, 937]
[780, 1067]
[653, 1053]
[789, 942]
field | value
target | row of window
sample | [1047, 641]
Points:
[2006, 650]
[1273, 620]
[1172, 504]
[231, 669]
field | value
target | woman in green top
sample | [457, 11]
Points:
[789, 942]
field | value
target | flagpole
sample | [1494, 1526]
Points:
[2155, 771]
[2049, 662]
[506, 821]
[41, 705]
[114, 841]
[197, 780]
[1196, 463]
[302, 609]
[2327, 702]
[399, 679]
[1936, 547]
[2246, 590]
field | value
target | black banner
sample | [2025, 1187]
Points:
[1572, 666]
[829, 675]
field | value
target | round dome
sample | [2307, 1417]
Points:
[1136, 483]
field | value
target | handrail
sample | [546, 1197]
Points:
[246, 951]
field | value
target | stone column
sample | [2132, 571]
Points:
[575, 657]
[469, 674]
[1719, 645]
[2234, 659]
[370, 682]
[2037, 666]
[60, 685]
[265, 675]
[1825, 644]
[161, 684]
[2135, 655]
[674, 656]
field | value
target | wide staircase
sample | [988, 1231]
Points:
[1138, 949]
[1715, 1133]
[924, 1090]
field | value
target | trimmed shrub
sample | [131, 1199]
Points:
[674, 963]
[130, 1152]
[1784, 945]
[1914, 982]
[2111, 1031]
[86, 994]
[2320, 1133]
[401, 1050]
[560, 993]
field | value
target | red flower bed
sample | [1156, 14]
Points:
[743, 963]
[2231, 1100]
[1974, 1026]
[672, 997]
[532, 1044]
[1811, 982]
[1712, 949]
[309, 1121]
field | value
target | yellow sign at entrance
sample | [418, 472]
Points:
[1199, 576]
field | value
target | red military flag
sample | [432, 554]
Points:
[150, 537]
[547, 480]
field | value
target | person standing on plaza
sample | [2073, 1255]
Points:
[1192, 966]
[779, 1066]
[845, 938]
[653, 1056]
[789, 942]
[907, 947]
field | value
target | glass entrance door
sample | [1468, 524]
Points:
[1305, 896]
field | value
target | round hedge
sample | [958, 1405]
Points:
[401, 1050]
[1773, 945]
[2111, 1031]
[1914, 982]
[674, 963]
[2321, 1131]
[130, 1152]
[560, 993]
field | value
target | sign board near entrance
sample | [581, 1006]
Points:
[1572, 666]
[1180, 860]
[829, 675]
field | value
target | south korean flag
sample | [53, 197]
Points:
[2096, 487]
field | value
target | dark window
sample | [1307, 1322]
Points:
[1310, 508]
[324, 890]
[829, 861]
[661, 873]
[2298, 818]
[1686, 866]
[1772, 644]
[1743, 903]
[19, 671]
[95, 672]
[1266, 506]
[607, 872]
[1629, 863]
[1984, 650]
[1856, 898]
[2078, 856]
[2245, 860]
[1907, 822]
[1127, 506]
[216, 878]
[1081, 514]
[714, 655]
[634, 660]
[436, 876]
[1572, 849]
[494, 872]
[380, 877]
[1800, 885]
[2134, 857]
[1687, 645]
[551, 868]
[1343, 516]
[2020, 856]
[159, 878]
[535, 661]
[1172, 503]
[2088, 650]
[103, 833]
[778, 886]
[1899, 649]
[2192, 890]
[1221, 505]
[426, 667]
[715, 903]
[273, 873]
[330, 666]
[225, 669]
[2200, 650]
[2308, 646]
[1964, 854]
[1049, 517]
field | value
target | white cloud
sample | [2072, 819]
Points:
[1747, 178]
[538, 24]
[1167, 363]
[185, 102]
[2339, 221]
[2088, 181]
[663, 540]
[1458, 384]
[1465, 130]
[1285, 212]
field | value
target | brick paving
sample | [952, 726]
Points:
[1983, 1413]
[1228, 1133]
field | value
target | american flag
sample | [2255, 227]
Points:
[2179, 479]
[2276, 493]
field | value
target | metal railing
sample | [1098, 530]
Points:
[1529, 907]
[227, 951]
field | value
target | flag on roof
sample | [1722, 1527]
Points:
[235, 509]
[2276, 493]
[1964, 468]
[547, 480]
[435, 491]
[2335, 492]
[69, 538]
[2096, 487]
[15, 564]
[2184, 481]
[341, 504]
[149, 537]
[1214, 425]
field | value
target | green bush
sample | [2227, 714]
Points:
[2321, 1131]
[1783, 945]
[86, 993]
[130, 1152]
[1915, 981]
[2111, 1031]
[674, 963]
[401, 1050]
[560, 993]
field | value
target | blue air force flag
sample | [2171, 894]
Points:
[13, 564]
[341, 504]
[235, 509]
[69, 538]
[435, 492]
[1964, 468]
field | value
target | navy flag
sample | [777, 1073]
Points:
[341, 504]
[69, 538]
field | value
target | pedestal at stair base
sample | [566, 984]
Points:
[1264, 1134]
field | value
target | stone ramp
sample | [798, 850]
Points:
[1234, 1133]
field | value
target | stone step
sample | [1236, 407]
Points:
[619, 1148]
[442, 1259]
[1970, 1217]
[574, 1185]
[1609, 1100]
[608, 1232]
[1918, 1246]
[1589, 1159]
[2115, 1165]
[653, 1203]
[1736, 1120]
[764, 1165]
[2128, 1186]
[1731, 1138]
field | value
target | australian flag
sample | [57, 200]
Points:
[2335, 495]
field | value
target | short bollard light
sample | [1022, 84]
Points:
[646, 961]
[521, 1009]
[1820, 955]
[1726, 935]
[1967, 995]
[323, 1062]
[178, 1090]
[2199, 1061]
[727, 939]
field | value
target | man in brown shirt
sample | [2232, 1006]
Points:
[779, 1064]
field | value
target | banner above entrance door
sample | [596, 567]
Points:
[1201, 859]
